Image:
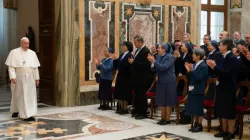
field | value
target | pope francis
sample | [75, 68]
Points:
[24, 75]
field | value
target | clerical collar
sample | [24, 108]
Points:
[225, 54]
[212, 52]
[198, 63]
[238, 57]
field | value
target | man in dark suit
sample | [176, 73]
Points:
[206, 40]
[141, 77]
[247, 40]
[237, 38]
[225, 103]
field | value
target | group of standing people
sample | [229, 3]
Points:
[164, 63]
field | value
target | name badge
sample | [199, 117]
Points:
[190, 88]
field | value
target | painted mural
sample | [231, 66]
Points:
[235, 22]
[179, 22]
[145, 20]
[99, 33]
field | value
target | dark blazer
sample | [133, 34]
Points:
[198, 78]
[180, 62]
[106, 69]
[246, 66]
[141, 68]
[204, 47]
[123, 85]
[164, 67]
[217, 57]
[227, 73]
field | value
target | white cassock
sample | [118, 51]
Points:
[23, 65]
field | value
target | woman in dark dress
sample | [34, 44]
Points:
[184, 56]
[197, 77]
[123, 86]
[166, 96]
[225, 102]
[105, 86]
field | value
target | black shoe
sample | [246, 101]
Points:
[133, 112]
[106, 107]
[221, 134]
[134, 115]
[123, 111]
[229, 137]
[101, 107]
[161, 121]
[30, 119]
[15, 114]
[140, 117]
[198, 128]
[192, 127]
[118, 111]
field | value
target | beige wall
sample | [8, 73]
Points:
[245, 19]
[27, 15]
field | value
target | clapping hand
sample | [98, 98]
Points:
[245, 51]
[114, 56]
[97, 60]
[248, 56]
[211, 63]
[189, 66]
[151, 58]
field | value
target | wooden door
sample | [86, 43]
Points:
[47, 51]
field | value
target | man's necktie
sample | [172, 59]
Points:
[194, 66]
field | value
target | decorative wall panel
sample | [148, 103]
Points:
[235, 4]
[99, 33]
[235, 22]
[179, 22]
[145, 20]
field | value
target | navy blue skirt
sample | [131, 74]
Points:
[105, 90]
[195, 104]
[166, 95]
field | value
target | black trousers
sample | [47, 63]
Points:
[140, 99]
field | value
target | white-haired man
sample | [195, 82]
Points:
[24, 75]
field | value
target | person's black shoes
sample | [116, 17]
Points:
[15, 114]
[198, 128]
[30, 119]
[229, 137]
[140, 117]
[221, 134]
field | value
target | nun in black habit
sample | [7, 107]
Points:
[123, 88]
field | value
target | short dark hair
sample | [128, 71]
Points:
[241, 42]
[129, 45]
[199, 52]
[237, 51]
[139, 38]
[228, 42]
[209, 37]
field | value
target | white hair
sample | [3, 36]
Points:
[24, 38]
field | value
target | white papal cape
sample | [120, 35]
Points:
[23, 65]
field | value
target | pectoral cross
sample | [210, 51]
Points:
[24, 63]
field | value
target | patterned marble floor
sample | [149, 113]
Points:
[88, 123]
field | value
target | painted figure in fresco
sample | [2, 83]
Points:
[179, 22]
[100, 32]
